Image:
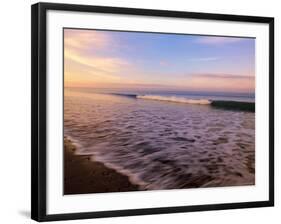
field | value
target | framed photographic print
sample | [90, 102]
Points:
[139, 111]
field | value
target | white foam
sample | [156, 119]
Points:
[174, 99]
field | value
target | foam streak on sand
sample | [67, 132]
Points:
[174, 99]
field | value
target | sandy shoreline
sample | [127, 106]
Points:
[82, 176]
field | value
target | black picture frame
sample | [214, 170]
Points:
[39, 107]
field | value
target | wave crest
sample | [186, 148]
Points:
[174, 99]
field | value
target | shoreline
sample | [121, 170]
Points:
[83, 176]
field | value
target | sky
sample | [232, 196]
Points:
[138, 60]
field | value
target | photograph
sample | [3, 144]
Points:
[157, 111]
[139, 111]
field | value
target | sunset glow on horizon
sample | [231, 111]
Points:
[133, 60]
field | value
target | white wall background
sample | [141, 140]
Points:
[15, 110]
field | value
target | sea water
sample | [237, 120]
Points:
[164, 140]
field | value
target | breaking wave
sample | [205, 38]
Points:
[220, 104]
[174, 99]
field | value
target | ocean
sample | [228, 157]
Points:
[166, 139]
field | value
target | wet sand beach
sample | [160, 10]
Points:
[81, 175]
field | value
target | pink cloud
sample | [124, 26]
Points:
[164, 63]
[217, 40]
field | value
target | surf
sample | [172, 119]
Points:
[218, 104]
[174, 99]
